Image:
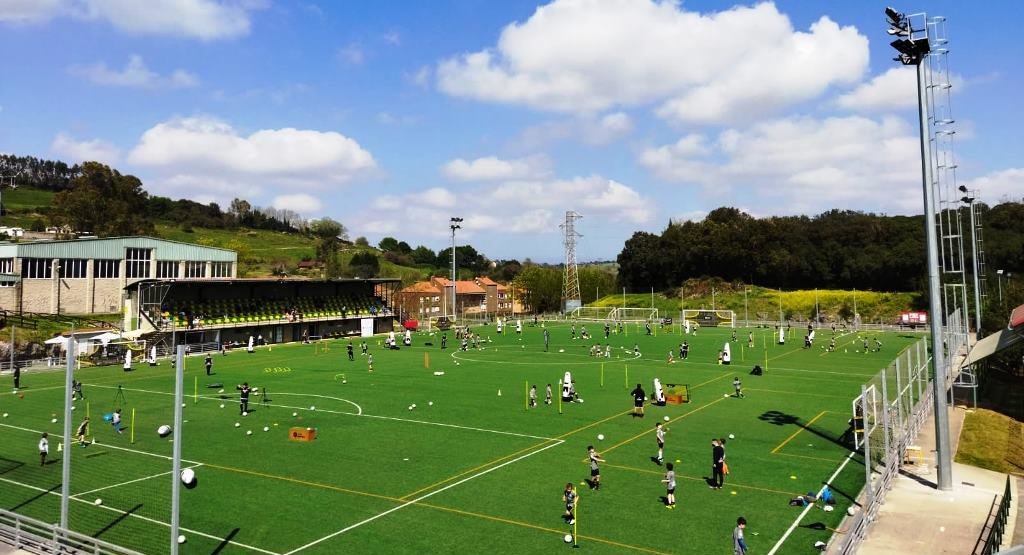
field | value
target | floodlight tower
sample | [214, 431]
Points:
[920, 42]
[571, 279]
[454, 224]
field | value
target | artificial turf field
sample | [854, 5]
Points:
[475, 471]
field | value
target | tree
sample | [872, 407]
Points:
[240, 210]
[423, 255]
[388, 244]
[466, 258]
[362, 242]
[364, 265]
[541, 288]
[328, 234]
[404, 247]
[104, 202]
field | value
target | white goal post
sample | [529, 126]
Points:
[712, 318]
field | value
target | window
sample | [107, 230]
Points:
[195, 269]
[7, 284]
[73, 268]
[6, 265]
[36, 268]
[221, 270]
[137, 263]
[167, 269]
[104, 269]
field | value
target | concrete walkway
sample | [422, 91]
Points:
[918, 518]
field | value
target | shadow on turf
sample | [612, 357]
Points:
[117, 520]
[226, 541]
[782, 419]
[32, 499]
[7, 465]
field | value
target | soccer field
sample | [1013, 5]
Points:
[470, 469]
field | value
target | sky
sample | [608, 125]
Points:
[392, 117]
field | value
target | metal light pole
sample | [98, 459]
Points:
[179, 389]
[999, 281]
[746, 315]
[969, 200]
[454, 224]
[65, 480]
[913, 50]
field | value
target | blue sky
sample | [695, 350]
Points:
[393, 116]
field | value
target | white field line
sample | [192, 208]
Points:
[144, 478]
[421, 498]
[141, 517]
[216, 397]
[808, 507]
[107, 445]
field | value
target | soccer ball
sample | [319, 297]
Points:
[568, 538]
[164, 431]
[344, 381]
[414, 405]
[561, 350]
[248, 432]
[295, 414]
[430, 403]
[725, 395]
[222, 405]
[600, 437]
[245, 414]
[181, 539]
[665, 419]
[580, 400]
[237, 424]
[732, 436]
[188, 478]
[410, 407]
[98, 501]
[5, 415]
[53, 420]
[312, 408]
[266, 428]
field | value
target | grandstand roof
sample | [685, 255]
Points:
[282, 280]
[114, 248]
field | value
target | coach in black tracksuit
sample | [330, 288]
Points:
[717, 464]
[243, 397]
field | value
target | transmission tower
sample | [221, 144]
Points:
[571, 280]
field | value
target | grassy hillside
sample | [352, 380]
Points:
[993, 441]
[763, 303]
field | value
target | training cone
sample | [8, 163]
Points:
[499, 393]
[60, 447]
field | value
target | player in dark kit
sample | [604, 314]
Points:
[639, 396]
[444, 340]
[685, 352]
[243, 397]
[209, 363]
[351, 351]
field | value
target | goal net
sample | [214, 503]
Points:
[593, 313]
[96, 353]
[636, 314]
[614, 314]
[714, 318]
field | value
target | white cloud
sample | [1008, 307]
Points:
[492, 168]
[420, 78]
[135, 74]
[512, 206]
[351, 54]
[1000, 186]
[75, 151]
[200, 19]
[801, 165]
[585, 56]
[894, 89]
[205, 153]
[298, 202]
[394, 38]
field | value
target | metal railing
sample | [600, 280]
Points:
[36, 536]
[989, 543]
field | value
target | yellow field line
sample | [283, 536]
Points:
[797, 432]
[696, 479]
[645, 432]
[500, 459]
[330, 487]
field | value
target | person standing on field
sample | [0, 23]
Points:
[739, 547]
[717, 464]
[44, 449]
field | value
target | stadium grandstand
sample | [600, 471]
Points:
[170, 312]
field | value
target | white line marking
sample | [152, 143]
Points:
[108, 445]
[140, 517]
[420, 498]
[808, 507]
[216, 397]
[359, 408]
[144, 478]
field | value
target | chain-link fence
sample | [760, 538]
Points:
[887, 416]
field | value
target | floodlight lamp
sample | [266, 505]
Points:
[967, 200]
[895, 17]
[962, 188]
[900, 30]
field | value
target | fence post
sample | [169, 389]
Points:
[870, 497]
[887, 454]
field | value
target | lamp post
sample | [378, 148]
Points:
[454, 224]
[969, 201]
[999, 281]
[746, 315]
[913, 47]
